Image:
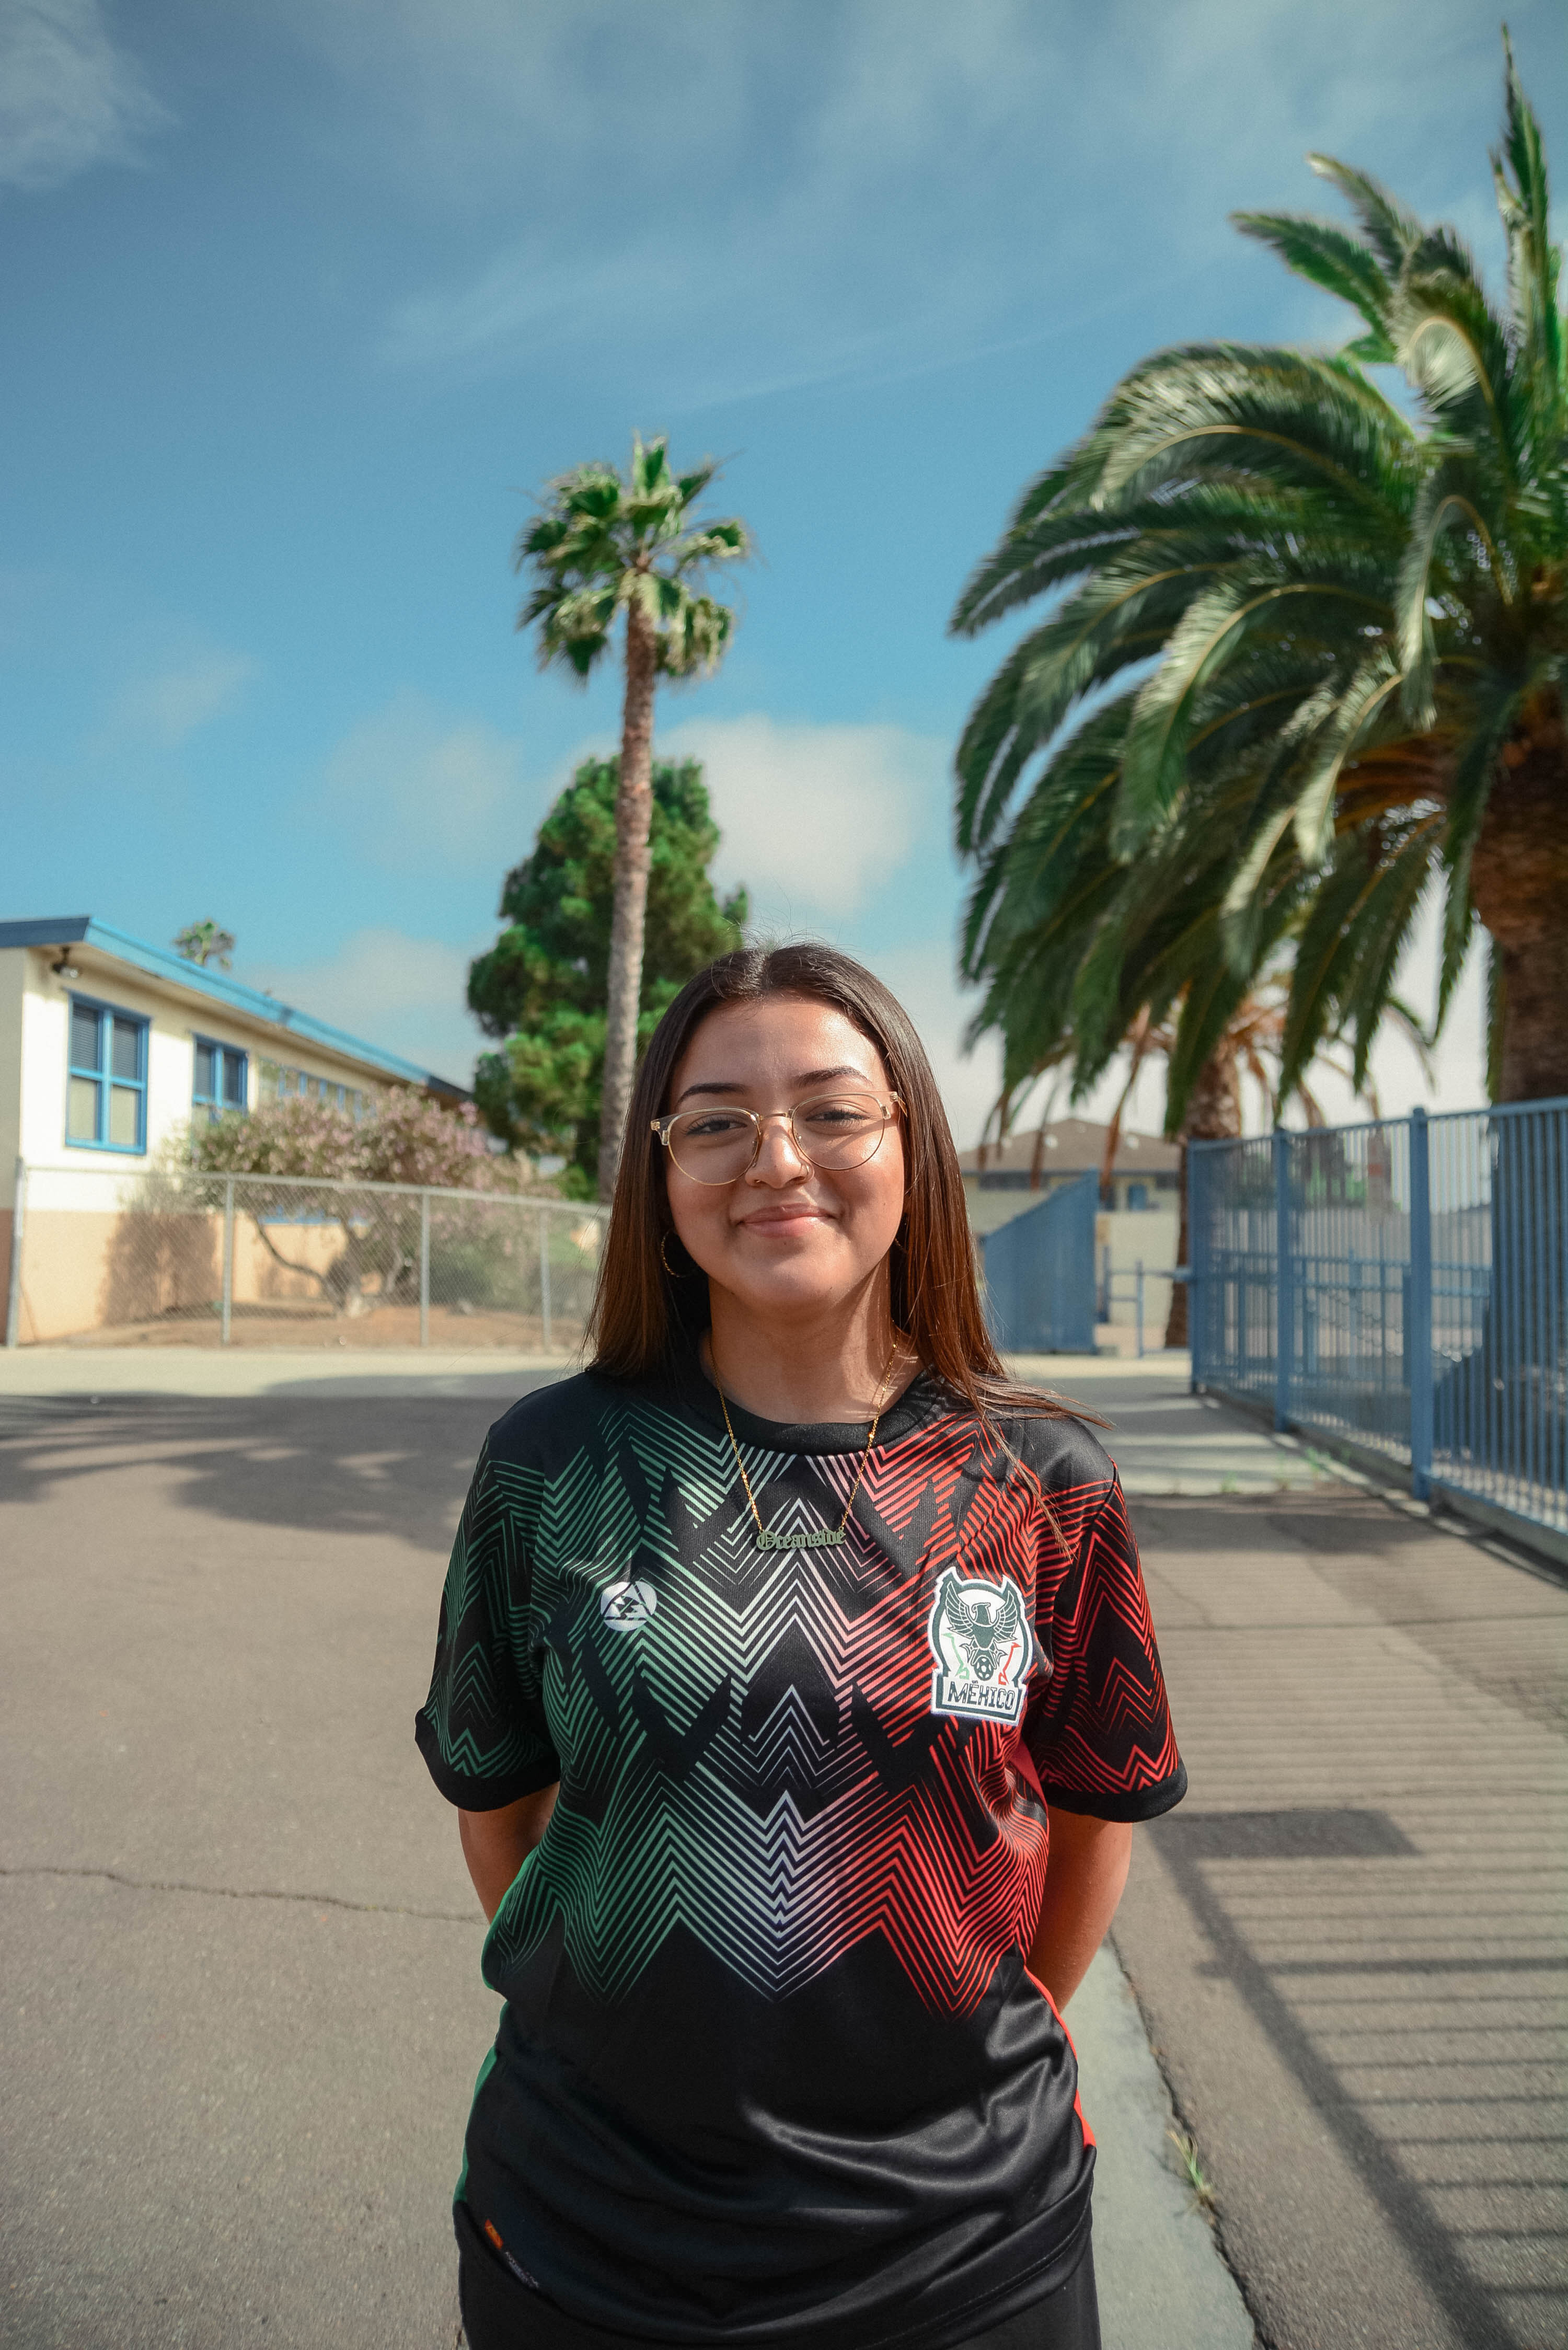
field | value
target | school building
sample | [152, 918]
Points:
[109, 1047]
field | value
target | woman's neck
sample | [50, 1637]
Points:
[842, 1364]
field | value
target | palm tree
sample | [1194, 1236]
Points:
[602, 546]
[1358, 627]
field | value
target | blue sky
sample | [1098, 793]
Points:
[305, 297]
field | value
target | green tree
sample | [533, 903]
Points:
[542, 986]
[205, 942]
[1358, 625]
[603, 547]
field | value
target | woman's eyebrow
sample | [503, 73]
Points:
[808, 1079]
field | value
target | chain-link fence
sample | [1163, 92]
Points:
[180, 1258]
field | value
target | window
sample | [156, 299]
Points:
[218, 1079]
[279, 1081]
[106, 1086]
[1137, 1197]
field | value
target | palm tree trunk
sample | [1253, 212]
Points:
[1519, 880]
[1213, 1115]
[1511, 1384]
[633, 815]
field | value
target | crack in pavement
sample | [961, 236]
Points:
[244, 1893]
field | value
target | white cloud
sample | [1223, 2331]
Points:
[749, 198]
[814, 819]
[168, 707]
[69, 98]
[403, 994]
[416, 785]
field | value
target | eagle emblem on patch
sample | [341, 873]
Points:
[982, 1644]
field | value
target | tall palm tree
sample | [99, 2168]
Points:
[603, 547]
[1358, 627]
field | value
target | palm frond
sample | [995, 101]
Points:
[1328, 256]
[1534, 265]
[1389, 227]
[1444, 502]
[1456, 350]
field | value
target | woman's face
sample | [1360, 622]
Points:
[786, 1239]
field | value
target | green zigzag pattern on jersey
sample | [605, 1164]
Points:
[646, 1840]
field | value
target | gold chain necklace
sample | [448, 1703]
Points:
[824, 1538]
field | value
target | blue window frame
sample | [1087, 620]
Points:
[105, 1080]
[219, 1079]
[278, 1083]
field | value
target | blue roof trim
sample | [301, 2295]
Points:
[162, 963]
[66, 931]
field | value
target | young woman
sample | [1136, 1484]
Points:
[774, 1651]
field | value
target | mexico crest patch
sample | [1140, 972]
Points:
[982, 1641]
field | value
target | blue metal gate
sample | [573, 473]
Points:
[1040, 1274]
[1424, 1311]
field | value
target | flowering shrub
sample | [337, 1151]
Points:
[408, 1137]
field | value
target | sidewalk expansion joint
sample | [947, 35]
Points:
[244, 1893]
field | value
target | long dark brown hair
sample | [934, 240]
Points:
[642, 1313]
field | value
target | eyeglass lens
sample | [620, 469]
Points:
[715, 1146]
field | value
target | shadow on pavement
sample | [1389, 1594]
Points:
[376, 1465]
[1349, 1945]
[1373, 1995]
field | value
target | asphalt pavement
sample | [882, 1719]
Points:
[241, 2003]
[243, 2010]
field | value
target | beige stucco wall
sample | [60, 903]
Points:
[97, 1270]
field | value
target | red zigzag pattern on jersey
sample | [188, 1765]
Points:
[937, 1843]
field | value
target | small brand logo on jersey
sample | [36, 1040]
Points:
[980, 1640]
[626, 1606]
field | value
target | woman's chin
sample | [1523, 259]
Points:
[794, 1286]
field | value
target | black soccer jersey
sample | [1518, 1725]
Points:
[771, 2068]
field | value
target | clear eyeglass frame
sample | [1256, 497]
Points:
[889, 1105]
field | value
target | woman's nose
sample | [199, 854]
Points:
[779, 1159]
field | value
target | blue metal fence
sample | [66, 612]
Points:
[1425, 1312]
[1040, 1274]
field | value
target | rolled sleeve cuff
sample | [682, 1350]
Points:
[1117, 1804]
[471, 1793]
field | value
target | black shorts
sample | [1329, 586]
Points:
[499, 2313]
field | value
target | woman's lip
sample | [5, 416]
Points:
[775, 1216]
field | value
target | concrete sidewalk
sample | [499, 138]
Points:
[243, 2010]
[1351, 1943]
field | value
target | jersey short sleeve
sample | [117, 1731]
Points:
[1098, 1727]
[481, 1730]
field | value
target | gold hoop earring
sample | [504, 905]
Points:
[664, 1256]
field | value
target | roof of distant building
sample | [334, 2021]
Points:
[162, 964]
[1074, 1146]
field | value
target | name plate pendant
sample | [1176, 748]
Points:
[825, 1538]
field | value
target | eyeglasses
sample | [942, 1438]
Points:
[719, 1145]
